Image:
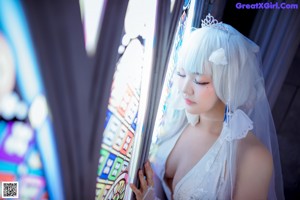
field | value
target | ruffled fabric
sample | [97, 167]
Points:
[238, 125]
[218, 57]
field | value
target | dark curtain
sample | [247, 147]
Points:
[203, 7]
[277, 33]
[165, 30]
[200, 10]
[77, 86]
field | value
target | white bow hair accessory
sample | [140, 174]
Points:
[238, 127]
[218, 57]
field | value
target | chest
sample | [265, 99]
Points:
[188, 150]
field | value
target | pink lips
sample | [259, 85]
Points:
[189, 102]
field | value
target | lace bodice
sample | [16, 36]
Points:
[208, 179]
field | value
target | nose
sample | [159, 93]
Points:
[187, 87]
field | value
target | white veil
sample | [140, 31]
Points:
[234, 63]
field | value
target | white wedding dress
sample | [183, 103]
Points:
[208, 179]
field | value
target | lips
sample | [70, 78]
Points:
[189, 102]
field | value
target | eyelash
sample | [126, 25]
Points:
[196, 82]
[181, 75]
[200, 83]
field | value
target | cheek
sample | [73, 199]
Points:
[206, 97]
[206, 92]
[212, 93]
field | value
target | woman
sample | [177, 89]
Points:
[219, 140]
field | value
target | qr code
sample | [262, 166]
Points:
[10, 190]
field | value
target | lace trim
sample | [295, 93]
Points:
[204, 181]
[238, 127]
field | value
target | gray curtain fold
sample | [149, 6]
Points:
[201, 9]
[277, 33]
[53, 36]
[165, 30]
[103, 69]
[77, 87]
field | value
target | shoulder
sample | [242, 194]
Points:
[254, 169]
[253, 151]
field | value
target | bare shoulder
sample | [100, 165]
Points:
[254, 169]
[253, 151]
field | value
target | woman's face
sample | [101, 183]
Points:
[198, 92]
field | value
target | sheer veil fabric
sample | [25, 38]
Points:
[234, 63]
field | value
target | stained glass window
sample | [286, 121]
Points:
[126, 103]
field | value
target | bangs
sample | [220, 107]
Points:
[195, 52]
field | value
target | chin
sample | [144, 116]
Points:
[192, 111]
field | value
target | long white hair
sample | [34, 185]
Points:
[241, 56]
[238, 83]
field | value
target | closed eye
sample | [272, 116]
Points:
[200, 83]
[181, 75]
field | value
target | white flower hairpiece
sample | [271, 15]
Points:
[218, 57]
